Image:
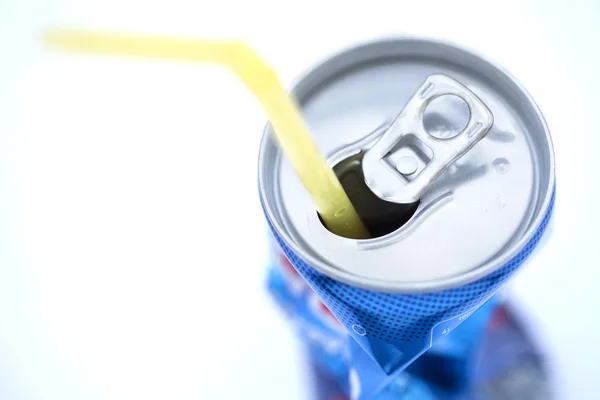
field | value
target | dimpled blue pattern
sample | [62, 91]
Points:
[397, 318]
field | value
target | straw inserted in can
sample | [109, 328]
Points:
[319, 179]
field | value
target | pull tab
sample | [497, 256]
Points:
[407, 158]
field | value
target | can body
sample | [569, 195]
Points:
[391, 298]
[488, 357]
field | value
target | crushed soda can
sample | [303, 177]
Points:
[488, 357]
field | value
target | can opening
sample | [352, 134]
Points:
[380, 217]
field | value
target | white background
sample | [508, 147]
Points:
[132, 245]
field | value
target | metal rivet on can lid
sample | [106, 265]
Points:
[406, 165]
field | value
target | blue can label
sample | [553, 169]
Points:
[390, 330]
[465, 361]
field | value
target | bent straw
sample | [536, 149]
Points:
[327, 193]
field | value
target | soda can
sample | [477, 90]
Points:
[450, 164]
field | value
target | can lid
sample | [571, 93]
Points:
[474, 214]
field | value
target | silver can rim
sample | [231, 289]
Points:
[431, 285]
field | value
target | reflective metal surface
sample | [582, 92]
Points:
[476, 216]
[406, 159]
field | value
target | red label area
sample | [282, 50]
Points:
[287, 264]
[326, 311]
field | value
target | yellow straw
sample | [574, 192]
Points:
[317, 176]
